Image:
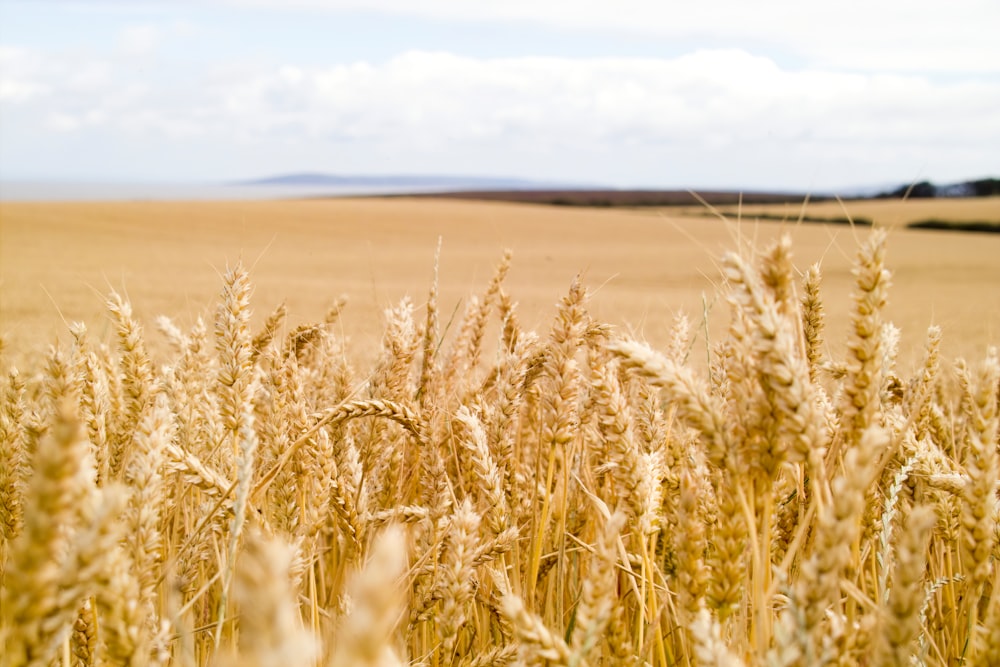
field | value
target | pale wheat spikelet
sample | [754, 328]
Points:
[501, 426]
[861, 407]
[792, 646]
[344, 503]
[177, 339]
[382, 446]
[512, 331]
[685, 390]
[561, 367]
[346, 411]
[431, 485]
[84, 640]
[781, 373]
[62, 381]
[979, 498]
[835, 549]
[987, 650]
[398, 514]
[458, 577]
[776, 273]
[901, 615]
[922, 387]
[680, 339]
[144, 475]
[650, 427]
[110, 367]
[787, 515]
[559, 424]
[244, 478]
[88, 562]
[495, 547]
[193, 399]
[599, 596]
[689, 544]
[888, 523]
[124, 633]
[275, 426]
[235, 348]
[301, 341]
[812, 320]
[270, 629]
[14, 455]
[614, 424]
[195, 472]
[490, 488]
[429, 369]
[391, 380]
[62, 479]
[336, 309]
[319, 486]
[365, 635]
[268, 332]
[892, 386]
[330, 379]
[727, 556]
[499, 656]
[709, 647]
[536, 642]
[95, 408]
[138, 380]
[468, 346]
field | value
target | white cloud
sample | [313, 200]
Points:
[18, 76]
[138, 40]
[564, 101]
[721, 116]
[889, 35]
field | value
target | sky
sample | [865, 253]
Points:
[792, 95]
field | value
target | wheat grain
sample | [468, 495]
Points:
[576, 498]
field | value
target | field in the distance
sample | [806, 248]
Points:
[883, 212]
[59, 260]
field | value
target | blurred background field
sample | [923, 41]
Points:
[883, 212]
[59, 260]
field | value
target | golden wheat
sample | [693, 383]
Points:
[570, 498]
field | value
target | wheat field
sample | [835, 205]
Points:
[892, 213]
[496, 484]
[59, 260]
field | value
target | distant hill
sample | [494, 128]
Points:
[612, 198]
[406, 181]
[575, 194]
[983, 187]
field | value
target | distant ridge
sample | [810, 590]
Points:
[314, 179]
[614, 198]
[982, 187]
